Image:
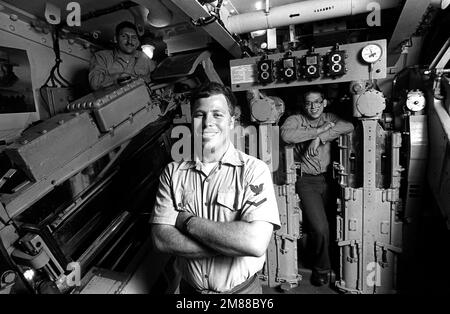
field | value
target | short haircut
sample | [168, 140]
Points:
[213, 88]
[125, 24]
[314, 90]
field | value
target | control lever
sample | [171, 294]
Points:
[8, 175]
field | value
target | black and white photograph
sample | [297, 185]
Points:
[225, 155]
[16, 93]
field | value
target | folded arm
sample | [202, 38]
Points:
[169, 239]
[293, 131]
[166, 237]
[235, 238]
[340, 127]
[98, 72]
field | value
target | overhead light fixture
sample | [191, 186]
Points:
[259, 5]
[148, 50]
[258, 33]
[152, 12]
[29, 274]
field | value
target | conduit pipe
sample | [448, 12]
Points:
[267, 8]
[302, 12]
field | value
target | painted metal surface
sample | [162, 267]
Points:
[244, 73]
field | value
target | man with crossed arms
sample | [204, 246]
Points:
[216, 213]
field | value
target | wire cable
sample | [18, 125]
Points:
[55, 78]
[214, 16]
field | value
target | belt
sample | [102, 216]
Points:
[313, 175]
[302, 174]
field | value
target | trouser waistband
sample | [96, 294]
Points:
[313, 175]
[241, 287]
[236, 290]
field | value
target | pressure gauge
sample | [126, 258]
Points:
[371, 53]
[415, 100]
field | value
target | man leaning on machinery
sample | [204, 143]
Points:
[311, 132]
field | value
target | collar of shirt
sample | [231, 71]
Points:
[231, 157]
[118, 55]
[313, 123]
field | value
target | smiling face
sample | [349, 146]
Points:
[314, 105]
[127, 40]
[213, 123]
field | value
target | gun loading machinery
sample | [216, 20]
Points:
[64, 197]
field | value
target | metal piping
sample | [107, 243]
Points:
[93, 14]
[301, 12]
[267, 9]
[102, 240]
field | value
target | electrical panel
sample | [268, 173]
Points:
[323, 65]
[335, 64]
[58, 98]
[288, 68]
[311, 65]
[265, 71]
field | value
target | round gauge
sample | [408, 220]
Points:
[336, 58]
[371, 53]
[311, 69]
[415, 101]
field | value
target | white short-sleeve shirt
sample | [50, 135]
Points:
[239, 188]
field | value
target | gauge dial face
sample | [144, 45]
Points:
[371, 53]
[415, 101]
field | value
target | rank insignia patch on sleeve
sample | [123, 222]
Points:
[257, 189]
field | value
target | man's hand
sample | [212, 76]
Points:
[170, 240]
[123, 78]
[181, 218]
[325, 127]
[313, 146]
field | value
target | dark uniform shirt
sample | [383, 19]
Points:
[107, 63]
[300, 130]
